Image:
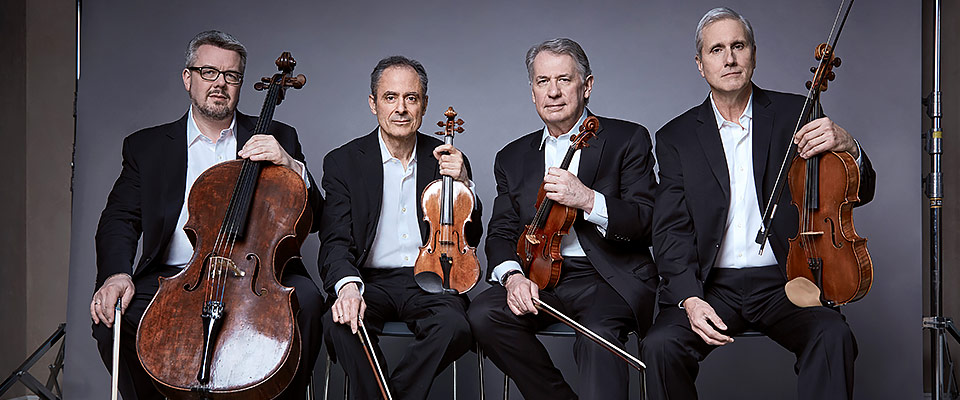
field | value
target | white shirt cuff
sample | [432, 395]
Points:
[346, 280]
[303, 172]
[504, 267]
[859, 152]
[599, 215]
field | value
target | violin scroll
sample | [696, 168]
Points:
[824, 73]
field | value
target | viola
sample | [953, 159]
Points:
[224, 327]
[827, 263]
[446, 263]
[539, 244]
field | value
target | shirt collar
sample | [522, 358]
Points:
[575, 129]
[385, 153]
[747, 112]
[194, 133]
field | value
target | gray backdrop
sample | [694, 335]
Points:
[642, 57]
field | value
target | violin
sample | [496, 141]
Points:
[224, 327]
[446, 263]
[827, 262]
[539, 244]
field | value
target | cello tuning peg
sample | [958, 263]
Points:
[295, 82]
[259, 86]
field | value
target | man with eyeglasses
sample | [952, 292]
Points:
[149, 197]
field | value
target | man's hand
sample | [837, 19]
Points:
[451, 162]
[520, 294]
[349, 307]
[822, 135]
[565, 188]
[105, 299]
[266, 148]
[699, 312]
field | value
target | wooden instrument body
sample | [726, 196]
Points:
[447, 243]
[539, 246]
[827, 235]
[257, 351]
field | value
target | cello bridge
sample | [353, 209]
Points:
[220, 262]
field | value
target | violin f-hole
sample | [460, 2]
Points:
[833, 233]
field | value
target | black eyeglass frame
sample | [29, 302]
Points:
[226, 75]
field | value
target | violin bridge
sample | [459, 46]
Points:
[815, 233]
[532, 239]
[220, 262]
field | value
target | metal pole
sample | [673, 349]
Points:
[934, 191]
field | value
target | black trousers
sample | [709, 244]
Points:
[135, 384]
[752, 298]
[438, 321]
[511, 341]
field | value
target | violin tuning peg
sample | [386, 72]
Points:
[459, 121]
[459, 129]
[808, 84]
[831, 76]
[441, 133]
[441, 124]
[836, 62]
[813, 69]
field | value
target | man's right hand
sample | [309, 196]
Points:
[701, 314]
[105, 299]
[349, 307]
[520, 294]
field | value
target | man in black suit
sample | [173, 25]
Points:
[372, 229]
[718, 161]
[160, 165]
[608, 279]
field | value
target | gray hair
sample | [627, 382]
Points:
[396, 61]
[560, 46]
[721, 13]
[219, 39]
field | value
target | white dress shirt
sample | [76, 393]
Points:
[554, 149]
[738, 249]
[202, 153]
[397, 241]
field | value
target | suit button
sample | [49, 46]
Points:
[718, 245]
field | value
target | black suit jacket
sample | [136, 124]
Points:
[694, 191]
[617, 163]
[148, 195]
[353, 182]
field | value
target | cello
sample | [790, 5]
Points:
[224, 327]
[539, 243]
[827, 263]
[446, 263]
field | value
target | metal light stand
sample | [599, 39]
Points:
[50, 391]
[937, 323]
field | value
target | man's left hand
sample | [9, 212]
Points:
[822, 135]
[565, 188]
[451, 162]
[266, 148]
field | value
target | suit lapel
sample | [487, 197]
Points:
[709, 137]
[174, 147]
[428, 170]
[245, 127]
[590, 157]
[533, 168]
[371, 168]
[763, 118]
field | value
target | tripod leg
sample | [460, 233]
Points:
[953, 330]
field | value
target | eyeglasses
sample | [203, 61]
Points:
[212, 74]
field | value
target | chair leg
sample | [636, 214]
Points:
[310, 387]
[454, 380]
[506, 387]
[480, 371]
[346, 386]
[326, 378]
[643, 384]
